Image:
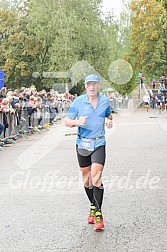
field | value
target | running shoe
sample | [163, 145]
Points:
[91, 215]
[99, 224]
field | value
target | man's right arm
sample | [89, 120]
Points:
[76, 122]
[70, 122]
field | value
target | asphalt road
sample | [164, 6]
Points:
[43, 206]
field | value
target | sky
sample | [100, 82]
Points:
[115, 5]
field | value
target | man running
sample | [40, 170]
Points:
[90, 113]
[159, 101]
[146, 99]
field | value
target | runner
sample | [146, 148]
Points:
[88, 113]
[159, 101]
[165, 102]
[146, 99]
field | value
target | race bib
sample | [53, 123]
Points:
[87, 144]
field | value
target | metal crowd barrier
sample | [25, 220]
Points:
[15, 125]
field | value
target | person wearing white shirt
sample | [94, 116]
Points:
[146, 100]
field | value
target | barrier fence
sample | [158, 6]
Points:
[26, 119]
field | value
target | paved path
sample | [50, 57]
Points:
[43, 206]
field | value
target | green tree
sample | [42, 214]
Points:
[18, 47]
[68, 31]
[148, 37]
[51, 36]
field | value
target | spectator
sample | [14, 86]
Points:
[1, 98]
[31, 109]
[154, 84]
[38, 104]
[5, 108]
[126, 100]
[5, 105]
[1, 128]
[12, 103]
[4, 91]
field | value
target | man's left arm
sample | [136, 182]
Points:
[109, 118]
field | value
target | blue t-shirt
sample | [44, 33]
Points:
[159, 97]
[94, 126]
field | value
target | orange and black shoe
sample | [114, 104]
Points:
[99, 224]
[91, 215]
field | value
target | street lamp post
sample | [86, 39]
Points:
[140, 83]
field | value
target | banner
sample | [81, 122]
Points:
[1, 78]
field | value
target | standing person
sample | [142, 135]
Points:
[146, 99]
[154, 84]
[1, 128]
[88, 113]
[38, 104]
[126, 99]
[31, 109]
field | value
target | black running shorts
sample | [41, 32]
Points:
[86, 158]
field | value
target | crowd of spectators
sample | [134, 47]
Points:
[118, 101]
[16, 102]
